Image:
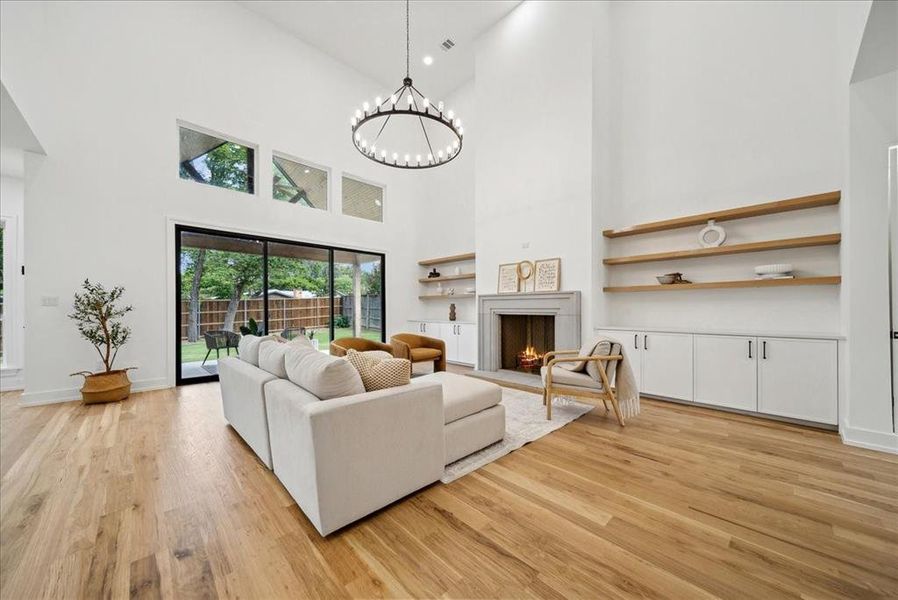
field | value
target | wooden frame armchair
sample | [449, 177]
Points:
[420, 348]
[340, 346]
[580, 385]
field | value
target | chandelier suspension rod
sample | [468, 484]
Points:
[406, 40]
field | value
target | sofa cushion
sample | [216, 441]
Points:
[423, 354]
[248, 347]
[463, 396]
[271, 359]
[300, 341]
[379, 373]
[321, 374]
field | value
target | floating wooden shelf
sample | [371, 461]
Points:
[447, 278]
[709, 285]
[743, 212]
[447, 259]
[445, 296]
[830, 239]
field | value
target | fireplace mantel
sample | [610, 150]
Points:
[564, 306]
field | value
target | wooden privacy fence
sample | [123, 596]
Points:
[371, 313]
[283, 313]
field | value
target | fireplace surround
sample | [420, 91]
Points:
[563, 307]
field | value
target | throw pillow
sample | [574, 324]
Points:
[607, 348]
[379, 373]
[301, 341]
[321, 374]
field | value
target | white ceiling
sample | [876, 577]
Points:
[370, 36]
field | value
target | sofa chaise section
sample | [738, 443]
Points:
[343, 458]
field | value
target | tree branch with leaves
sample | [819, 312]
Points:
[98, 318]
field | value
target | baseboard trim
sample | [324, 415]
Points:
[871, 440]
[12, 379]
[68, 394]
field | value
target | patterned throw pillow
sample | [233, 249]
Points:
[380, 373]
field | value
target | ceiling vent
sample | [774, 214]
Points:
[447, 44]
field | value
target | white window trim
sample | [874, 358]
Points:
[383, 187]
[314, 165]
[179, 123]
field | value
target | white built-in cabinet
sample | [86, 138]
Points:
[726, 371]
[787, 377]
[667, 365]
[460, 338]
[798, 379]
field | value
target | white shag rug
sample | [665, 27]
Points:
[525, 421]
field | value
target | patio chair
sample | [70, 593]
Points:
[293, 332]
[220, 340]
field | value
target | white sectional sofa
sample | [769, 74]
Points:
[349, 455]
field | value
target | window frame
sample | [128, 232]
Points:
[252, 166]
[314, 165]
[383, 188]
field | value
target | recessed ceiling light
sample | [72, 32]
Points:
[306, 170]
[378, 203]
[427, 60]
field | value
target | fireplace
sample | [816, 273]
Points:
[524, 339]
[510, 323]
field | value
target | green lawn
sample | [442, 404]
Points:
[196, 351]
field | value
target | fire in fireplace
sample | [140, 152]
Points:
[524, 339]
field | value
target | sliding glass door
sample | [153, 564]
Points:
[231, 284]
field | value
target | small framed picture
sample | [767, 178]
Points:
[508, 279]
[547, 275]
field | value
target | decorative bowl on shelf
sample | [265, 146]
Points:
[775, 269]
[671, 278]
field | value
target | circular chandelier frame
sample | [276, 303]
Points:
[417, 106]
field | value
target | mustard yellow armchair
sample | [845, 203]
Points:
[420, 348]
[340, 346]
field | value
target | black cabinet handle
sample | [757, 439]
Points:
[749, 348]
[636, 341]
[764, 349]
[645, 342]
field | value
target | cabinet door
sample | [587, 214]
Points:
[667, 365]
[466, 334]
[414, 327]
[431, 329]
[632, 342]
[726, 371]
[447, 334]
[798, 379]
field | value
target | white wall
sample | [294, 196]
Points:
[533, 182]
[104, 84]
[445, 214]
[874, 127]
[719, 105]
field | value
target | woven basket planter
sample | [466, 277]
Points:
[105, 387]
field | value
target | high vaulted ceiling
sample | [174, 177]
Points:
[370, 36]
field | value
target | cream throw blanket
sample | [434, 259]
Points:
[624, 381]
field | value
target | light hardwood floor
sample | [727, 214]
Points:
[156, 496]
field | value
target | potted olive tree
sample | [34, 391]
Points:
[99, 322]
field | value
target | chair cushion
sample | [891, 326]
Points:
[377, 372]
[271, 359]
[464, 396]
[570, 378]
[424, 354]
[323, 375]
[248, 347]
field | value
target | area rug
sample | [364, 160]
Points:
[525, 421]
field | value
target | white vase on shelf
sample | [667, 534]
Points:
[712, 235]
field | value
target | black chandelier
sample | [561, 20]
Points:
[408, 103]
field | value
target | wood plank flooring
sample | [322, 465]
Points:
[157, 497]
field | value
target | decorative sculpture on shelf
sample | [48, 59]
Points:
[452, 316]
